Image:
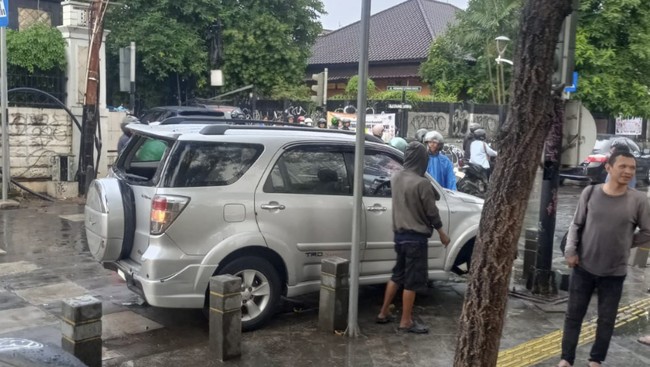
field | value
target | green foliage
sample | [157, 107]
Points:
[267, 43]
[613, 56]
[39, 48]
[352, 89]
[291, 93]
[461, 62]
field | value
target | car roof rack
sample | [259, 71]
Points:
[286, 126]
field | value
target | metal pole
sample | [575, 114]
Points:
[6, 172]
[357, 209]
[132, 96]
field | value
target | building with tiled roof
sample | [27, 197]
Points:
[400, 38]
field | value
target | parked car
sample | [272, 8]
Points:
[160, 114]
[593, 167]
[266, 204]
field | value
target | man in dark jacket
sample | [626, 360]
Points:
[415, 216]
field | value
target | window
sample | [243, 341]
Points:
[379, 168]
[309, 172]
[194, 164]
[151, 150]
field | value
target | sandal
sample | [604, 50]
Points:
[415, 328]
[563, 363]
[645, 340]
[385, 320]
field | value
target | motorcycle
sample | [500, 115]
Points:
[474, 181]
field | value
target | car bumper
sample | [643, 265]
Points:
[180, 290]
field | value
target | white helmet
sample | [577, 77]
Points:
[435, 136]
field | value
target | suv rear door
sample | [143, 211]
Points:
[139, 166]
[304, 207]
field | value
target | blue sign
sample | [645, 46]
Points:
[4, 13]
[574, 87]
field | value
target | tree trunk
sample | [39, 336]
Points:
[90, 117]
[521, 139]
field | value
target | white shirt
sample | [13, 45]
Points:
[480, 152]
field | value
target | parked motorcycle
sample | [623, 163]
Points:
[475, 180]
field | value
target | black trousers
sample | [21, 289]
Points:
[581, 288]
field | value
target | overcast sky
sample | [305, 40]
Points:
[344, 12]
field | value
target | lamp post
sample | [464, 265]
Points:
[502, 44]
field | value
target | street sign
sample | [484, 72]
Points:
[402, 106]
[405, 88]
[4, 13]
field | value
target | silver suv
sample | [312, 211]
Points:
[186, 202]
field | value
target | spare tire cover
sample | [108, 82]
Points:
[104, 217]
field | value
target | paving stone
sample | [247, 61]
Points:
[24, 317]
[17, 268]
[9, 300]
[51, 293]
[125, 323]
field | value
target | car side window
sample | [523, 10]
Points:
[198, 164]
[379, 168]
[309, 172]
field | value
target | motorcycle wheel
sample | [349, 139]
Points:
[468, 187]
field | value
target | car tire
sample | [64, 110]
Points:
[258, 276]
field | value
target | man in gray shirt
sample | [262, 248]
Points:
[415, 216]
[598, 246]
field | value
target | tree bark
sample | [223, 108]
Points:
[521, 139]
[90, 119]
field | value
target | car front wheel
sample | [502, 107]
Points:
[260, 289]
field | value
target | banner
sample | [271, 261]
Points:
[629, 126]
[386, 119]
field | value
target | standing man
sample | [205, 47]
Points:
[415, 215]
[598, 246]
[439, 167]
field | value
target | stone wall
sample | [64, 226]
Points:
[35, 137]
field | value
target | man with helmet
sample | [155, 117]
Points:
[309, 121]
[440, 167]
[290, 119]
[469, 138]
[398, 143]
[346, 123]
[420, 134]
[322, 123]
[480, 152]
[301, 120]
[335, 123]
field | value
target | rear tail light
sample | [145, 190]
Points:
[164, 210]
[596, 158]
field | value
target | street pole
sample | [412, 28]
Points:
[132, 86]
[6, 174]
[357, 209]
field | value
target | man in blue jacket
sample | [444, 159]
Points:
[440, 167]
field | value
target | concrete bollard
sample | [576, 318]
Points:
[225, 316]
[334, 294]
[81, 329]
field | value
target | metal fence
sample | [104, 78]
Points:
[54, 84]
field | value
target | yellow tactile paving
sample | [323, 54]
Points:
[549, 345]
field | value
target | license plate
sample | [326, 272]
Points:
[121, 274]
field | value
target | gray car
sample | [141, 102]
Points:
[186, 202]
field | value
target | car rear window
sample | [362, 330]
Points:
[194, 164]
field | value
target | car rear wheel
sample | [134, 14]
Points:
[260, 289]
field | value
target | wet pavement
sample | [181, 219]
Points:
[44, 259]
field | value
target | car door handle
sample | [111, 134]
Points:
[376, 208]
[273, 206]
